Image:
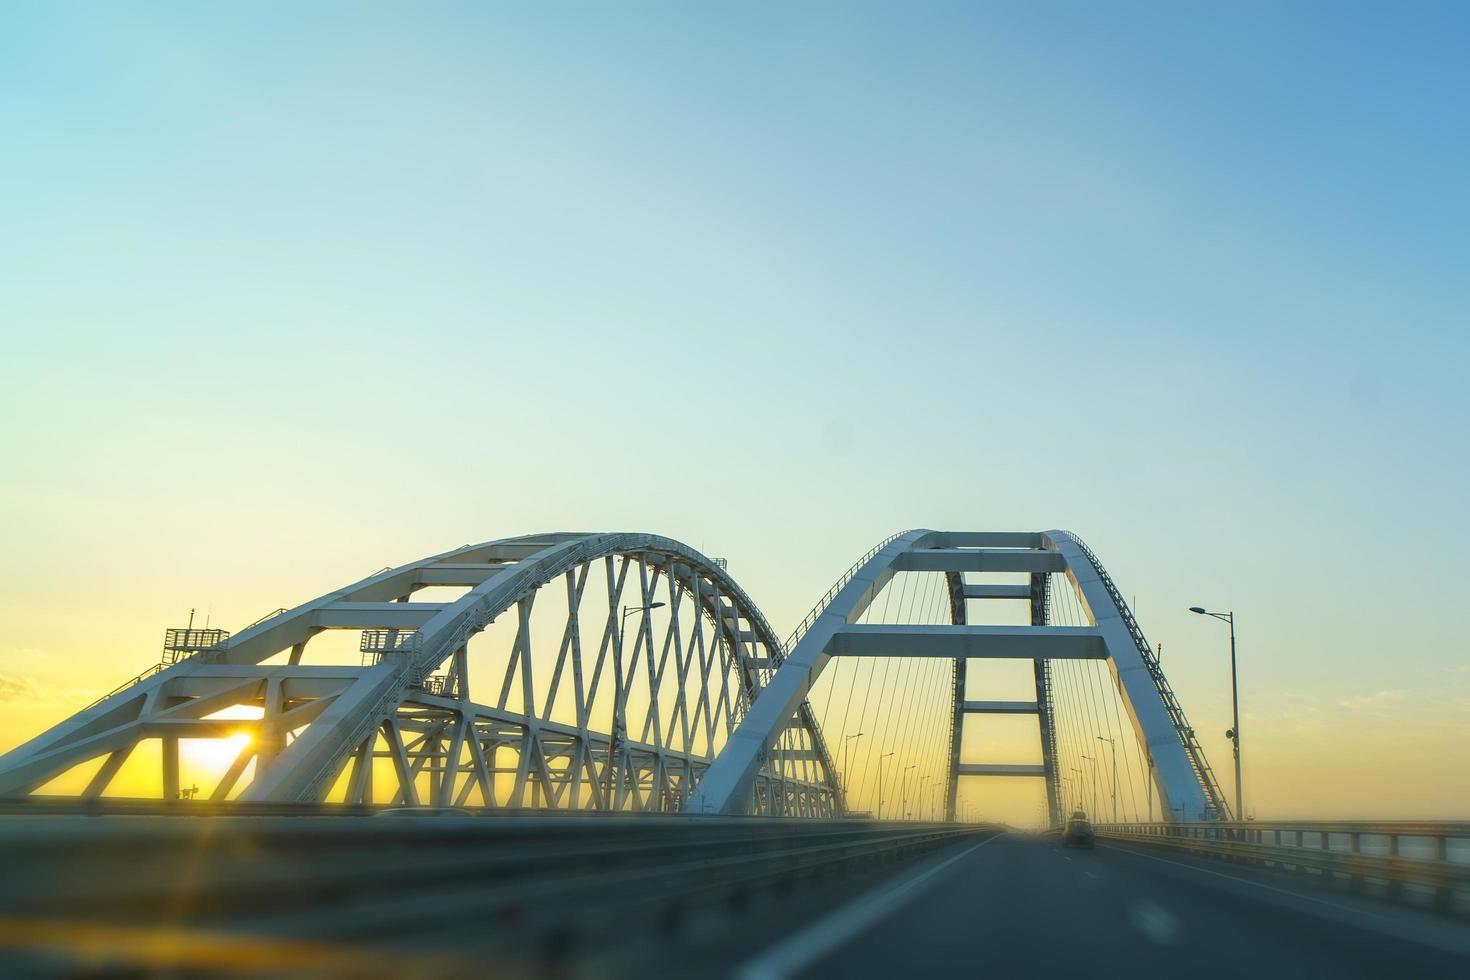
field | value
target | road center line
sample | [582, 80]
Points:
[805, 946]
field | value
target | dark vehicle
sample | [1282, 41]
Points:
[1078, 832]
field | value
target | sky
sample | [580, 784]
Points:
[293, 292]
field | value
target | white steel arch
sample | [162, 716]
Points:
[1183, 778]
[409, 700]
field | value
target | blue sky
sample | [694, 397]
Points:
[292, 293]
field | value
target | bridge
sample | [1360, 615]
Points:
[548, 720]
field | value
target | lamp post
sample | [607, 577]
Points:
[845, 742]
[1067, 794]
[1114, 744]
[1096, 782]
[1234, 733]
[904, 780]
[1081, 783]
[880, 783]
[619, 708]
[1150, 784]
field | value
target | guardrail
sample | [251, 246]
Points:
[155, 669]
[528, 886]
[1415, 862]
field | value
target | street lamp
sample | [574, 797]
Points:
[1234, 733]
[845, 742]
[630, 610]
[1114, 744]
[1080, 782]
[880, 783]
[1095, 782]
[904, 789]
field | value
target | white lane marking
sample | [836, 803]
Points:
[1066, 857]
[1384, 924]
[832, 930]
[1089, 874]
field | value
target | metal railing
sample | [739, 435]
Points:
[155, 669]
[185, 642]
[847, 576]
[1419, 862]
[270, 615]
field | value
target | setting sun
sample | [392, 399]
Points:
[202, 761]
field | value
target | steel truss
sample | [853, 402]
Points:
[588, 717]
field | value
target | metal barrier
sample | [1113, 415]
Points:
[526, 884]
[1416, 862]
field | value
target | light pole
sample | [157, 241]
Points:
[845, 743]
[1115, 777]
[1081, 783]
[1149, 752]
[619, 708]
[1234, 733]
[1096, 782]
[880, 783]
[904, 779]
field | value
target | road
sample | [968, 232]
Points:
[1009, 906]
[536, 896]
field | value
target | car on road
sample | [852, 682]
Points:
[1078, 832]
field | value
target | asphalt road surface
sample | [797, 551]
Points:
[1008, 906]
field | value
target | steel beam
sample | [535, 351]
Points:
[1000, 707]
[990, 769]
[986, 591]
[992, 642]
[460, 573]
[979, 560]
[986, 539]
[377, 615]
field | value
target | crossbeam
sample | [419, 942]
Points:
[995, 769]
[991, 642]
[987, 591]
[377, 615]
[999, 707]
[978, 560]
[460, 573]
[986, 539]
